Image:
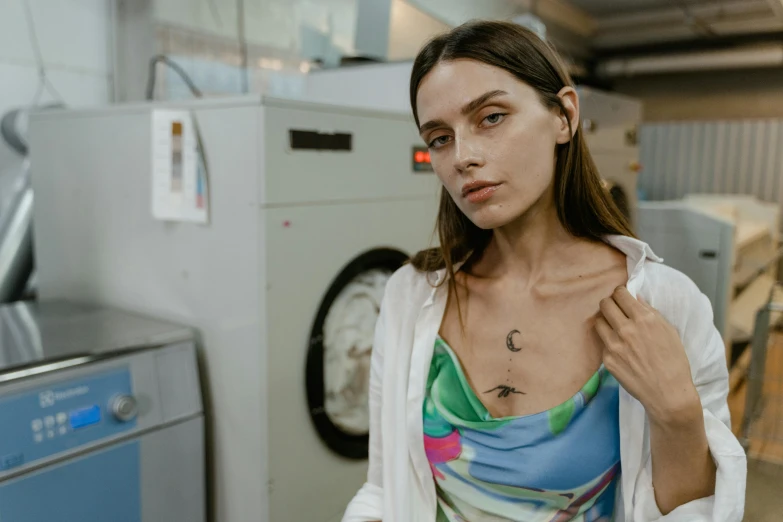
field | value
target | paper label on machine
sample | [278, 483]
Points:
[179, 182]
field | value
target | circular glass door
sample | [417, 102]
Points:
[338, 359]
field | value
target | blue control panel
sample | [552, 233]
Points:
[103, 486]
[43, 422]
[84, 417]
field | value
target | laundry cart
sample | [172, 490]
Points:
[756, 401]
[761, 431]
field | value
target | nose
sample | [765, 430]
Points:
[467, 155]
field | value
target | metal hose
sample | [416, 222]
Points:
[16, 245]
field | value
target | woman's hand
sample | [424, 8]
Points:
[645, 354]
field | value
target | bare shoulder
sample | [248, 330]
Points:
[601, 265]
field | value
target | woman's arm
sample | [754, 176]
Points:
[647, 356]
[682, 467]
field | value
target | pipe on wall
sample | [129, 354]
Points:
[752, 57]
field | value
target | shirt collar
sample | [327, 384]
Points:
[634, 249]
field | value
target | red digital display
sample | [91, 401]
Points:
[421, 160]
[421, 157]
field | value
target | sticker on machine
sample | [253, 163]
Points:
[179, 168]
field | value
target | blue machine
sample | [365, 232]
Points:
[101, 418]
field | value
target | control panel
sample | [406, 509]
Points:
[43, 422]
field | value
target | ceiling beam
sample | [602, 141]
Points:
[680, 32]
[748, 58]
[676, 15]
[777, 8]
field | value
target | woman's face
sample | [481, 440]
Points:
[491, 139]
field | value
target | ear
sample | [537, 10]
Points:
[570, 100]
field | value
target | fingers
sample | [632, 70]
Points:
[612, 313]
[606, 332]
[630, 306]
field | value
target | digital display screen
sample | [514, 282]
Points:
[85, 417]
[421, 160]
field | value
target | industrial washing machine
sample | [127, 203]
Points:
[307, 210]
[610, 122]
[100, 415]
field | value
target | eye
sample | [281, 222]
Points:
[494, 118]
[439, 141]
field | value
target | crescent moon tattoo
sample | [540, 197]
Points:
[510, 341]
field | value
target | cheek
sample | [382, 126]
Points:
[528, 154]
[444, 172]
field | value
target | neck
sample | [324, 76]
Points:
[532, 247]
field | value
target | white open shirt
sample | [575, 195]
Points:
[400, 487]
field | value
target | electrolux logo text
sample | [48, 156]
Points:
[49, 398]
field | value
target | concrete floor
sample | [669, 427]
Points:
[764, 496]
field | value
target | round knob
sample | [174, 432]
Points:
[124, 408]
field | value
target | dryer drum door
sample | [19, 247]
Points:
[338, 358]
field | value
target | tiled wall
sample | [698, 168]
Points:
[74, 37]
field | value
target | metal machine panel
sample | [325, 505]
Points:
[300, 264]
[99, 494]
[172, 481]
[282, 225]
[610, 123]
[46, 421]
[90, 488]
[167, 269]
[102, 425]
[609, 110]
[695, 243]
[306, 176]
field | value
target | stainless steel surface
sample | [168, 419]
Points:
[40, 337]
[161, 476]
[758, 368]
[720, 157]
[761, 430]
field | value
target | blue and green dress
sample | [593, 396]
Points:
[560, 465]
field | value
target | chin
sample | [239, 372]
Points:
[490, 218]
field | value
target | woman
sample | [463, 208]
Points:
[515, 376]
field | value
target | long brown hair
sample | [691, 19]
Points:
[584, 206]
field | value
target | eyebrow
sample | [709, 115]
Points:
[466, 109]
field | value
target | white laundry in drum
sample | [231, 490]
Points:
[348, 337]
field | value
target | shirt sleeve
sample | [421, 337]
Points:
[710, 375]
[367, 505]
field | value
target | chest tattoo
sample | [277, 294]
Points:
[510, 341]
[504, 391]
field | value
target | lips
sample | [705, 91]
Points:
[473, 186]
[478, 190]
